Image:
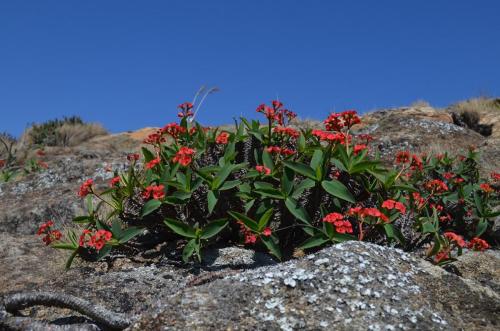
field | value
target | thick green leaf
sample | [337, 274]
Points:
[287, 181]
[301, 168]
[68, 246]
[150, 207]
[272, 246]
[116, 229]
[302, 186]
[298, 211]
[180, 228]
[82, 219]
[317, 159]
[212, 201]
[314, 241]
[130, 233]
[188, 250]
[337, 189]
[482, 226]
[270, 193]
[222, 176]
[250, 223]
[104, 252]
[148, 155]
[265, 219]
[267, 160]
[229, 185]
[213, 228]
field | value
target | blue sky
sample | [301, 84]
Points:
[127, 64]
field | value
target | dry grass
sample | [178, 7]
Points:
[479, 114]
[67, 135]
[420, 104]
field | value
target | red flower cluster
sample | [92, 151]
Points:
[436, 185]
[86, 188]
[173, 129]
[368, 212]
[157, 192]
[402, 157]
[478, 244]
[455, 238]
[267, 232]
[494, 175]
[391, 204]
[416, 163]
[486, 188]
[185, 108]
[341, 225]
[280, 150]
[115, 181]
[359, 148]
[133, 157]
[222, 138]
[50, 235]
[96, 240]
[337, 121]
[330, 136]
[419, 201]
[448, 175]
[250, 237]
[153, 163]
[154, 138]
[288, 131]
[263, 170]
[184, 156]
[276, 113]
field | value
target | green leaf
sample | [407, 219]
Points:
[222, 175]
[116, 229]
[148, 155]
[482, 226]
[104, 252]
[272, 246]
[265, 219]
[250, 223]
[180, 228]
[212, 201]
[130, 233]
[302, 186]
[337, 189]
[213, 228]
[82, 219]
[70, 259]
[287, 181]
[150, 207]
[229, 185]
[267, 160]
[301, 143]
[479, 203]
[69, 246]
[393, 233]
[188, 250]
[317, 159]
[314, 241]
[270, 193]
[301, 168]
[298, 211]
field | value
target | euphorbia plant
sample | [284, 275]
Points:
[283, 189]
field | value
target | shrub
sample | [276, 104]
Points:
[283, 190]
[69, 131]
[469, 114]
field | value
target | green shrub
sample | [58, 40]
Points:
[283, 190]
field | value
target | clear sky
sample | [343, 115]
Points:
[127, 64]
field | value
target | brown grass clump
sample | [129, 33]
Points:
[478, 114]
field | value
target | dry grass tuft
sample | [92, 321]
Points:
[478, 114]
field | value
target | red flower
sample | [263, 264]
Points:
[478, 244]
[49, 235]
[42, 164]
[184, 156]
[341, 225]
[374, 212]
[250, 238]
[448, 175]
[442, 255]
[153, 163]
[453, 237]
[436, 185]
[185, 109]
[157, 192]
[391, 204]
[267, 232]
[222, 138]
[115, 181]
[416, 163]
[329, 136]
[279, 150]
[154, 138]
[486, 188]
[350, 118]
[86, 188]
[133, 157]
[2, 163]
[173, 129]
[494, 175]
[359, 148]
[44, 227]
[333, 122]
[291, 132]
[97, 240]
[402, 157]
[40, 152]
[263, 170]
[458, 180]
